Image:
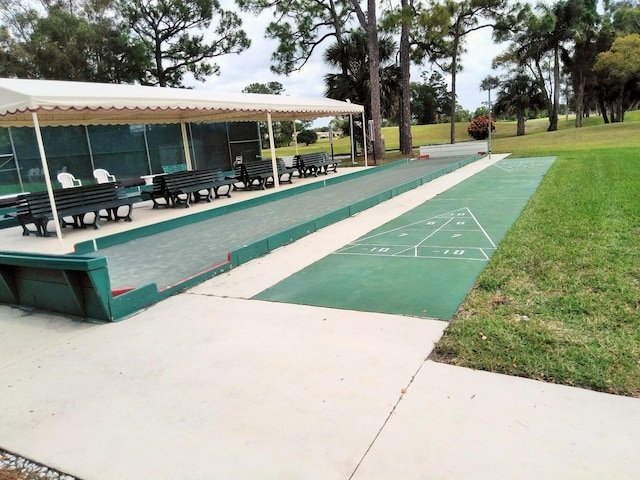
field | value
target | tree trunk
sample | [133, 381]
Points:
[454, 67]
[553, 116]
[405, 101]
[337, 26]
[520, 125]
[620, 106]
[603, 109]
[579, 99]
[374, 78]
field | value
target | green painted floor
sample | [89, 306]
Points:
[424, 262]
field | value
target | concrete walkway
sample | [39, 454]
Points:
[212, 385]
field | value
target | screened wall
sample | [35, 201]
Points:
[126, 151]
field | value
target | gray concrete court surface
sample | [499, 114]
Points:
[210, 384]
[202, 245]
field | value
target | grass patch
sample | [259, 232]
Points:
[560, 299]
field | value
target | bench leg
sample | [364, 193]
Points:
[127, 217]
[216, 190]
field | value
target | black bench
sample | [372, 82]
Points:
[180, 187]
[314, 163]
[254, 174]
[220, 181]
[73, 203]
[284, 171]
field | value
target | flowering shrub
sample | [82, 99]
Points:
[478, 127]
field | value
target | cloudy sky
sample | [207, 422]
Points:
[252, 65]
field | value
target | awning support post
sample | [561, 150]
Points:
[272, 147]
[185, 143]
[364, 139]
[47, 176]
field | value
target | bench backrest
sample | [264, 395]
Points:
[187, 179]
[260, 167]
[315, 158]
[85, 195]
[218, 175]
[37, 203]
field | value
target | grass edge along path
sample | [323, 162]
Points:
[560, 299]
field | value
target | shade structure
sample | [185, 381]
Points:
[48, 103]
[79, 103]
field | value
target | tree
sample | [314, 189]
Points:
[369, 24]
[64, 46]
[354, 85]
[539, 41]
[173, 31]
[591, 37]
[403, 18]
[300, 28]
[444, 42]
[626, 18]
[282, 131]
[429, 99]
[307, 137]
[271, 88]
[518, 96]
[619, 69]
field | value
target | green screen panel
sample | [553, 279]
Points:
[120, 149]
[165, 146]
[210, 146]
[67, 150]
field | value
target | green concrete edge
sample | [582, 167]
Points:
[66, 284]
[79, 286]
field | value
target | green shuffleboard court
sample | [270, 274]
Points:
[424, 262]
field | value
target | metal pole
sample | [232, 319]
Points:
[295, 137]
[15, 160]
[86, 132]
[47, 179]
[331, 141]
[364, 139]
[351, 141]
[272, 147]
[185, 143]
[489, 126]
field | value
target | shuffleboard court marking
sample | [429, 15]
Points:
[453, 235]
[518, 165]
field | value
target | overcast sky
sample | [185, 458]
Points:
[252, 65]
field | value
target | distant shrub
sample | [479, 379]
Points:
[307, 137]
[478, 128]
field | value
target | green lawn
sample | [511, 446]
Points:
[560, 299]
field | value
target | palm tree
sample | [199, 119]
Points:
[545, 36]
[355, 85]
[518, 96]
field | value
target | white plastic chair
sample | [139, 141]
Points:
[103, 176]
[68, 181]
